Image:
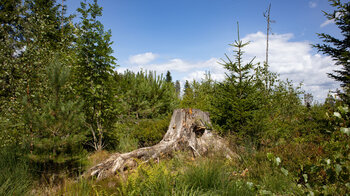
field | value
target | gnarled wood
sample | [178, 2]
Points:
[188, 130]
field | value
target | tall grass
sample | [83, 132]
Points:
[183, 175]
[15, 177]
[212, 177]
[204, 177]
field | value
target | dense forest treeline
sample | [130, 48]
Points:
[64, 106]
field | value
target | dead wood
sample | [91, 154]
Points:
[189, 129]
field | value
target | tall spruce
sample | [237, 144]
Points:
[93, 72]
[339, 48]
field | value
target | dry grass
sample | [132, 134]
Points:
[97, 157]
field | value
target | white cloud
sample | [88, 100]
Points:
[143, 58]
[331, 21]
[177, 65]
[295, 61]
[312, 4]
[291, 59]
[327, 22]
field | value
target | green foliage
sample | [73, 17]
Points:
[338, 48]
[83, 187]
[141, 95]
[168, 77]
[205, 178]
[198, 94]
[177, 88]
[149, 180]
[139, 133]
[93, 72]
[56, 133]
[126, 143]
[237, 98]
[150, 131]
[332, 172]
[208, 175]
[281, 112]
[15, 178]
[31, 33]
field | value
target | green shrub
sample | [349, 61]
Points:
[133, 134]
[127, 143]
[150, 131]
[154, 179]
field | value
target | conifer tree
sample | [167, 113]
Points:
[236, 99]
[168, 77]
[339, 48]
[57, 128]
[144, 95]
[187, 99]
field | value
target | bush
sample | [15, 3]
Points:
[133, 134]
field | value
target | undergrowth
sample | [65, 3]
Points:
[15, 177]
[253, 174]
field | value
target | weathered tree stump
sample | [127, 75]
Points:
[189, 129]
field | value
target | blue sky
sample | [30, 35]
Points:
[188, 37]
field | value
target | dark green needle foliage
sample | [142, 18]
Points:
[145, 95]
[339, 48]
[57, 130]
[236, 99]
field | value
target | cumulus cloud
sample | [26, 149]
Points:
[312, 4]
[143, 58]
[295, 61]
[291, 59]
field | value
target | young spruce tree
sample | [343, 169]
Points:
[236, 99]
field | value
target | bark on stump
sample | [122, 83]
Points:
[189, 129]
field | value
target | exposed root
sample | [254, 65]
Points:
[189, 129]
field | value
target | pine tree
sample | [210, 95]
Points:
[339, 48]
[93, 72]
[198, 94]
[144, 95]
[58, 132]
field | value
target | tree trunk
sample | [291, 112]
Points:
[189, 129]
